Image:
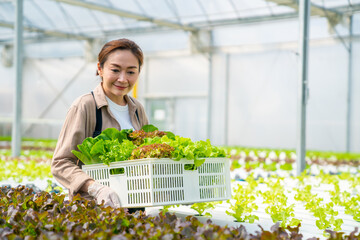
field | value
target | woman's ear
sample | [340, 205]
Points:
[99, 69]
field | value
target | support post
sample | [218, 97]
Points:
[210, 80]
[350, 76]
[227, 84]
[304, 13]
[17, 109]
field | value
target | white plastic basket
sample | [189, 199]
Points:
[158, 182]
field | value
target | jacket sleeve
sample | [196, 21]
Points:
[63, 165]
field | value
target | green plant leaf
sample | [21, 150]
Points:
[170, 135]
[82, 157]
[98, 148]
[113, 133]
[149, 128]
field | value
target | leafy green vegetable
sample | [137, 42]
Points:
[286, 167]
[85, 151]
[139, 137]
[201, 207]
[278, 207]
[165, 208]
[149, 128]
[322, 211]
[170, 135]
[113, 145]
[244, 203]
[19, 169]
[49, 216]
[270, 167]
[109, 146]
[197, 151]
[115, 152]
[156, 150]
[113, 133]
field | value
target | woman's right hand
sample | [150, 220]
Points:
[101, 192]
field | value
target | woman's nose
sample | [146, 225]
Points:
[122, 76]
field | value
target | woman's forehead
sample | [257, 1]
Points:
[122, 57]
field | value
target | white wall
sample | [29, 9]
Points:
[262, 99]
[177, 77]
[355, 110]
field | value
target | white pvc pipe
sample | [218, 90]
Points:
[349, 92]
[210, 80]
[18, 48]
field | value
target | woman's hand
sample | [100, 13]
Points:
[101, 192]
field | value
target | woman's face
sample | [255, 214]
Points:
[119, 75]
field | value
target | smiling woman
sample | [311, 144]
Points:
[108, 106]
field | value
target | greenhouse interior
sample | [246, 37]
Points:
[243, 119]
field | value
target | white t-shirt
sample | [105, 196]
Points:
[121, 114]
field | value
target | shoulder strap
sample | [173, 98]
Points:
[136, 111]
[98, 119]
[137, 116]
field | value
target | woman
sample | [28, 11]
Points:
[119, 68]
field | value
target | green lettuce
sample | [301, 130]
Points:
[113, 145]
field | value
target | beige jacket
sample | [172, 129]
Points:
[79, 124]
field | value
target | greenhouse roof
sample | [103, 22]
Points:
[91, 19]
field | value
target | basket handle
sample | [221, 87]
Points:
[190, 167]
[117, 171]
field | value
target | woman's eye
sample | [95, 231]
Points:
[115, 70]
[131, 73]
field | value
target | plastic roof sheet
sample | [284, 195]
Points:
[65, 17]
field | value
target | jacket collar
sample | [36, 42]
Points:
[131, 104]
[99, 96]
[100, 99]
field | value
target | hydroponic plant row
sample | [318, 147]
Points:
[317, 202]
[242, 165]
[290, 154]
[48, 216]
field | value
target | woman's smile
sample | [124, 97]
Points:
[120, 87]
